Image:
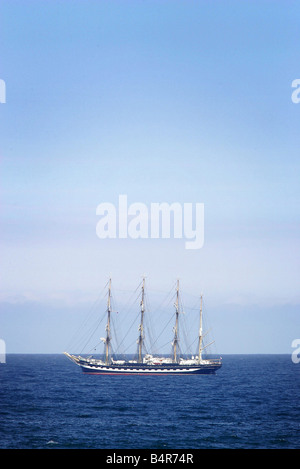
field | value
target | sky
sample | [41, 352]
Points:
[163, 101]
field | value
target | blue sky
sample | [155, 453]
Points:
[165, 101]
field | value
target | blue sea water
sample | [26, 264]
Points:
[252, 402]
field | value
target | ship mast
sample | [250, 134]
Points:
[175, 340]
[108, 338]
[200, 333]
[141, 326]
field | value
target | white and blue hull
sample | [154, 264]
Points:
[149, 369]
[92, 366]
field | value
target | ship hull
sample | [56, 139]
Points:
[154, 370]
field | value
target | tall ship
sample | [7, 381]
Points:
[146, 363]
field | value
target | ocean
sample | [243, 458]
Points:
[252, 402]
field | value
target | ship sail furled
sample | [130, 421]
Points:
[108, 337]
[176, 339]
[140, 340]
[200, 332]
